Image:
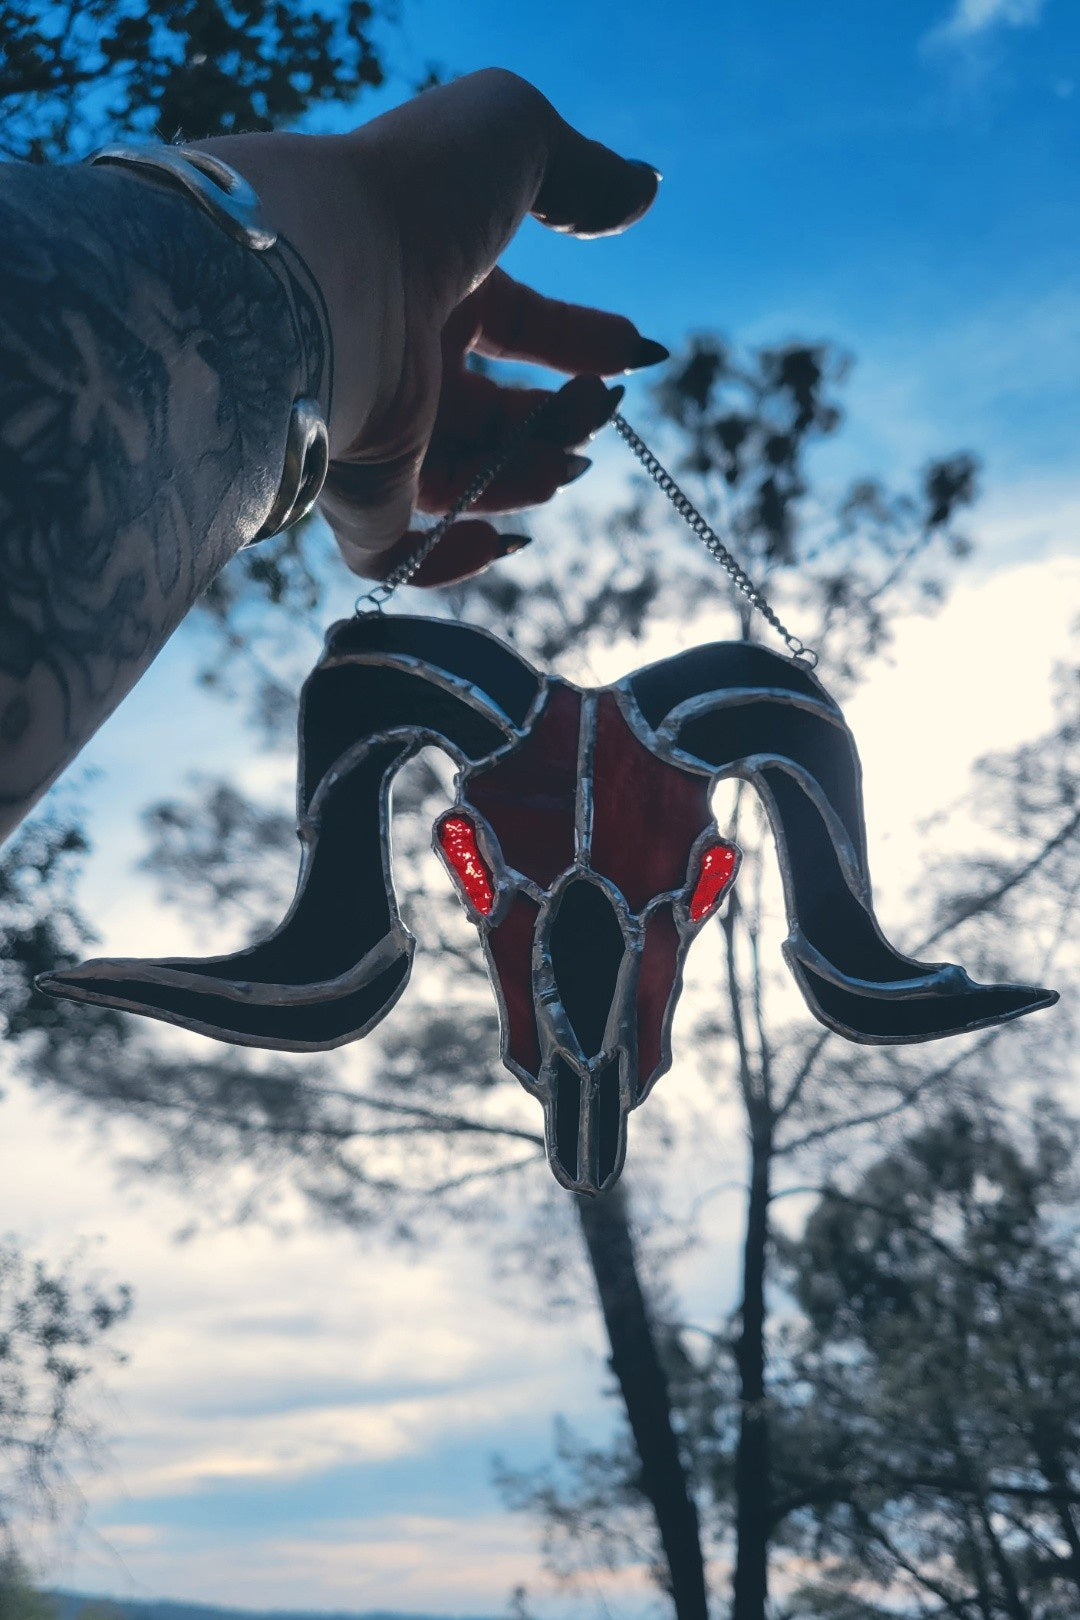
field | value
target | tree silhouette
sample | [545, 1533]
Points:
[53, 1329]
[75, 75]
[940, 1370]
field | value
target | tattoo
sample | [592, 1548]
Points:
[149, 364]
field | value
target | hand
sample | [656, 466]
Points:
[402, 222]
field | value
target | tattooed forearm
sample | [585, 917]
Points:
[147, 368]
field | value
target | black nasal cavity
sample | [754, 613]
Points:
[586, 955]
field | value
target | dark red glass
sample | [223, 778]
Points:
[647, 814]
[511, 945]
[528, 798]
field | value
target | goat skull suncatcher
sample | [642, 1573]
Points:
[583, 847]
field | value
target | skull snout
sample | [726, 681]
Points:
[586, 1124]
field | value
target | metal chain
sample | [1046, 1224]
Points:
[710, 539]
[404, 571]
[407, 568]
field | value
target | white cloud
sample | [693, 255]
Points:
[263, 1362]
[194, 1454]
[972, 17]
[986, 664]
[405, 1562]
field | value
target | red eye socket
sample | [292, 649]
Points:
[715, 872]
[457, 839]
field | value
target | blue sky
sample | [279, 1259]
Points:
[844, 170]
[901, 179]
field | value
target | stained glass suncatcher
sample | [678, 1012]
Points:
[583, 846]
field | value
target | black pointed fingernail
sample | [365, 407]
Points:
[576, 466]
[648, 353]
[612, 400]
[513, 543]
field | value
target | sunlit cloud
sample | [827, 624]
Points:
[972, 17]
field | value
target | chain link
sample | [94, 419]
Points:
[408, 567]
[710, 540]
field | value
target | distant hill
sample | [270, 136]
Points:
[72, 1605]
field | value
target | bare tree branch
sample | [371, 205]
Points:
[804, 1072]
[986, 902]
[907, 1096]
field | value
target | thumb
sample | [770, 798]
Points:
[587, 189]
[368, 507]
[462, 165]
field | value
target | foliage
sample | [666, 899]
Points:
[83, 72]
[590, 1514]
[52, 1329]
[210, 844]
[39, 922]
[930, 1448]
[745, 428]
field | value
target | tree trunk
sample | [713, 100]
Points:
[753, 1482]
[636, 1364]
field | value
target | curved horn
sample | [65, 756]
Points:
[735, 709]
[383, 689]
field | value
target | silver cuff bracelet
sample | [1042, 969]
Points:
[233, 203]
